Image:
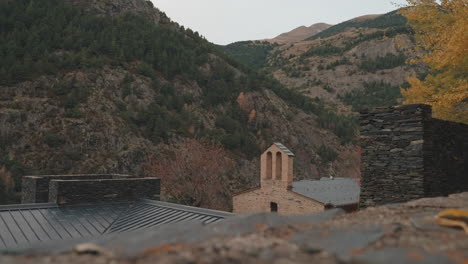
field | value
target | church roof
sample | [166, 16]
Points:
[24, 225]
[284, 148]
[336, 191]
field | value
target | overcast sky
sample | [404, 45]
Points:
[227, 21]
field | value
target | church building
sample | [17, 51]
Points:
[278, 192]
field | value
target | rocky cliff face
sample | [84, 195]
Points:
[330, 75]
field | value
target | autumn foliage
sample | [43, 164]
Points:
[194, 174]
[442, 42]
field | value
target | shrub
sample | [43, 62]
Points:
[253, 54]
[324, 50]
[342, 61]
[372, 95]
[327, 154]
[73, 155]
[53, 140]
[388, 61]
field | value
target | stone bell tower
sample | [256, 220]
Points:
[276, 166]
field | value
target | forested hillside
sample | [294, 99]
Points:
[84, 90]
[389, 20]
[252, 53]
[353, 65]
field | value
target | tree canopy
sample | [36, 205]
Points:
[442, 43]
[199, 170]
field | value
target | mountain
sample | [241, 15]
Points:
[299, 33]
[101, 86]
[364, 18]
[352, 65]
[255, 54]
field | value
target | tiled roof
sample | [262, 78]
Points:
[337, 191]
[22, 225]
[284, 148]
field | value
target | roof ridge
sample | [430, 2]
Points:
[10, 207]
[284, 148]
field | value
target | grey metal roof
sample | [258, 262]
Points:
[150, 213]
[284, 148]
[337, 191]
[22, 225]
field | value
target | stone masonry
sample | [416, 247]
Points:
[407, 154]
[288, 202]
[35, 189]
[103, 190]
[274, 193]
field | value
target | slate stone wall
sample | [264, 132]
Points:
[29, 189]
[448, 159]
[406, 155]
[109, 190]
[35, 189]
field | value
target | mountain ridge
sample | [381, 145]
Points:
[299, 33]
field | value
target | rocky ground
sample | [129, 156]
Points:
[400, 233]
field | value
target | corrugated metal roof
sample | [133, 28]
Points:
[337, 191]
[150, 213]
[32, 224]
[284, 148]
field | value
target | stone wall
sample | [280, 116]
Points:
[406, 155]
[107, 190]
[35, 189]
[448, 158]
[289, 203]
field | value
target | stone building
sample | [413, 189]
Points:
[407, 155]
[278, 192]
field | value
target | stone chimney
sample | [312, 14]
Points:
[276, 166]
[88, 188]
